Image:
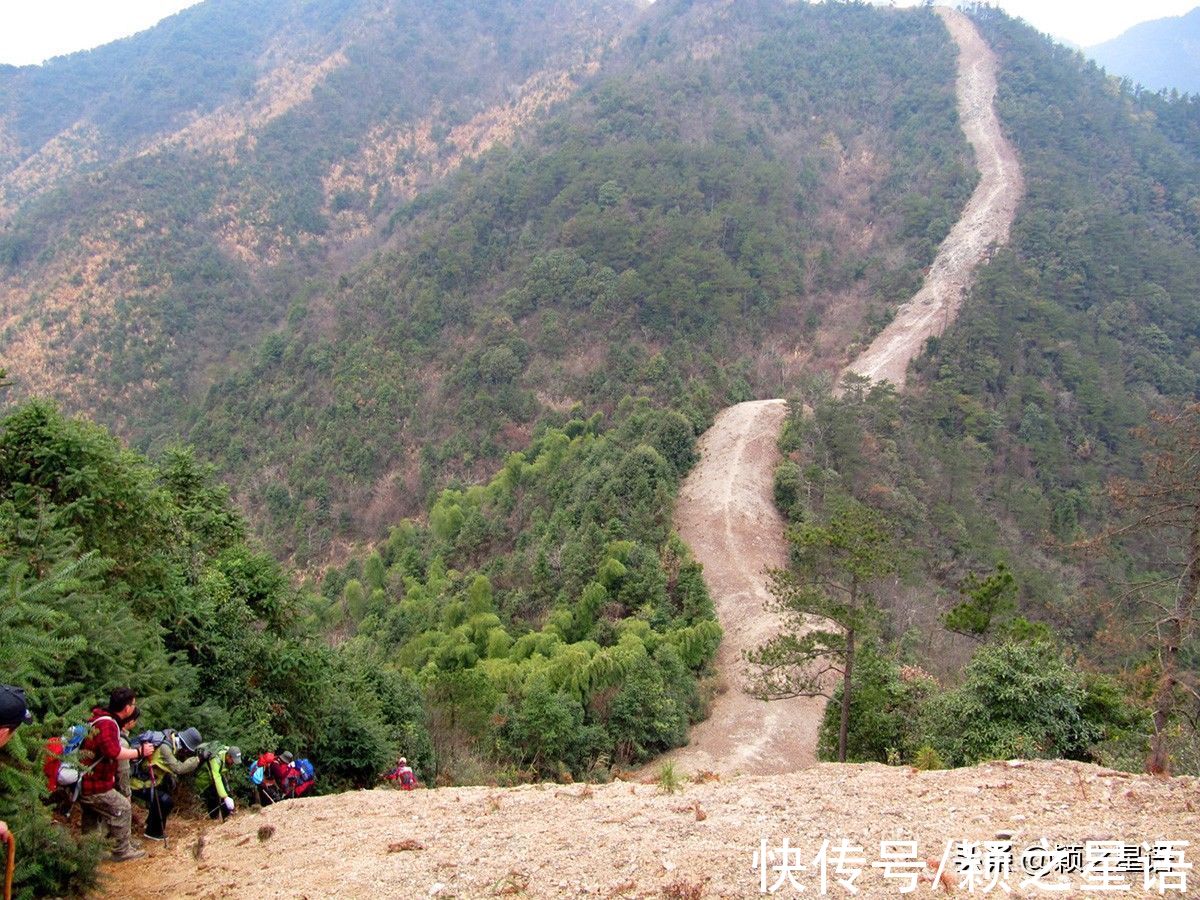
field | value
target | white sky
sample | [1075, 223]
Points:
[34, 30]
[1088, 22]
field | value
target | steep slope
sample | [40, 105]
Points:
[724, 201]
[984, 224]
[726, 515]
[631, 840]
[737, 534]
[1160, 55]
[752, 179]
[207, 198]
[219, 70]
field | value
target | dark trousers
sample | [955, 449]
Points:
[213, 803]
[159, 803]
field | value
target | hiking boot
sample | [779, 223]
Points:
[153, 837]
[131, 853]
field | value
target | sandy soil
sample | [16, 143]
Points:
[985, 221]
[727, 516]
[631, 840]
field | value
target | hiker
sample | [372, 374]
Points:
[282, 774]
[402, 775]
[155, 780]
[127, 726]
[14, 713]
[102, 750]
[267, 776]
[210, 783]
[301, 777]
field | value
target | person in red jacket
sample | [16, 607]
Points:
[101, 753]
[403, 775]
[281, 776]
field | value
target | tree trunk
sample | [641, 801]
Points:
[1172, 634]
[844, 729]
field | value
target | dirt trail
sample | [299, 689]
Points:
[631, 840]
[727, 516]
[985, 221]
[726, 513]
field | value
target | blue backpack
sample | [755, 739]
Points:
[74, 738]
[305, 768]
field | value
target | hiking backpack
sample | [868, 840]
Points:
[305, 768]
[141, 768]
[64, 768]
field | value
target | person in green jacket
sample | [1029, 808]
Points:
[154, 780]
[210, 782]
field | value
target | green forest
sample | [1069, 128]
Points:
[641, 239]
[1008, 477]
[546, 624]
[409, 488]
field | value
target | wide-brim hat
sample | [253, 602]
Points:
[190, 738]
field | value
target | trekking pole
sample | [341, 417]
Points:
[157, 799]
[11, 865]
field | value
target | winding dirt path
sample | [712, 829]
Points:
[726, 513]
[985, 221]
[727, 516]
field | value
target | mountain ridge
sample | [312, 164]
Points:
[1160, 55]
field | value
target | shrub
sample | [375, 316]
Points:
[884, 711]
[669, 779]
[1016, 700]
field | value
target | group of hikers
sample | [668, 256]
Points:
[281, 777]
[106, 763]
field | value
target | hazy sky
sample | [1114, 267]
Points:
[34, 30]
[1088, 22]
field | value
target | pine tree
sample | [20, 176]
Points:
[838, 564]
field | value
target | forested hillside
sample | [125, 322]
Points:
[698, 223]
[133, 277]
[1007, 473]
[118, 570]
[546, 624]
[727, 173]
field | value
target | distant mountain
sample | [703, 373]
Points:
[1161, 54]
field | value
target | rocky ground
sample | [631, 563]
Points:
[635, 840]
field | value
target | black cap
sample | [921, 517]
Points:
[13, 709]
